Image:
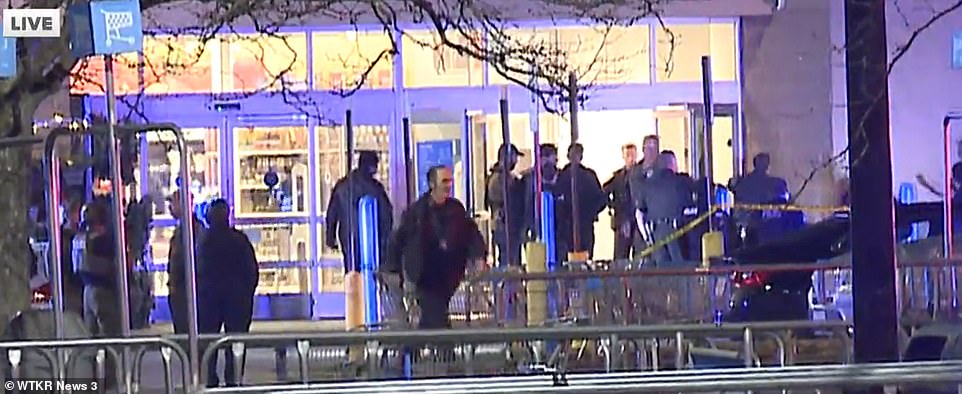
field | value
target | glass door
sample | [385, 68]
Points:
[680, 129]
[271, 197]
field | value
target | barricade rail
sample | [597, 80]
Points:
[464, 347]
[18, 356]
[814, 377]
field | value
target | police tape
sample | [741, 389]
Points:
[680, 232]
[785, 207]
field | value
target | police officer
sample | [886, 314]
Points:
[584, 198]
[507, 215]
[636, 178]
[621, 207]
[663, 200]
[756, 187]
[341, 220]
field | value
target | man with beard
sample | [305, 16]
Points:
[507, 206]
[622, 208]
[549, 183]
[433, 245]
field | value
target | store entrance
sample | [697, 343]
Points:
[456, 140]
[679, 128]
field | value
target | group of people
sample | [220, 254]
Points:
[227, 274]
[648, 200]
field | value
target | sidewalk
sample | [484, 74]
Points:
[261, 365]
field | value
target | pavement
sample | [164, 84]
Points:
[262, 364]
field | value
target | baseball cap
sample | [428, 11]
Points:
[505, 148]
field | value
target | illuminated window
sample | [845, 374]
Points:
[428, 63]
[163, 166]
[342, 59]
[178, 64]
[266, 62]
[680, 61]
[88, 74]
[510, 43]
[607, 55]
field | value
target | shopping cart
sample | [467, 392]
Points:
[114, 22]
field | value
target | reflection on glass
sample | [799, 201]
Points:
[163, 166]
[283, 251]
[159, 251]
[342, 58]
[331, 154]
[87, 76]
[267, 62]
[679, 54]
[281, 150]
[178, 64]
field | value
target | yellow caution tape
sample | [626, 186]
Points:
[752, 207]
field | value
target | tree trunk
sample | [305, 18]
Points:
[15, 256]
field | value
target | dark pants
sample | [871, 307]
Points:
[627, 245]
[233, 315]
[670, 252]
[177, 303]
[586, 240]
[434, 308]
[508, 247]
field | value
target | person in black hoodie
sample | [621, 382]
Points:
[341, 219]
[507, 206]
[226, 280]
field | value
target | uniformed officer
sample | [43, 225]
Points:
[636, 178]
[622, 207]
[756, 187]
[507, 207]
[663, 200]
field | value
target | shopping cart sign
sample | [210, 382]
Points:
[31, 22]
[116, 26]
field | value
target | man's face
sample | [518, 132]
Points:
[550, 160]
[575, 155]
[672, 163]
[651, 147]
[511, 160]
[444, 182]
[630, 154]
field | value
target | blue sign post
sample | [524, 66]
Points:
[957, 50]
[8, 57]
[116, 26]
[551, 255]
[369, 254]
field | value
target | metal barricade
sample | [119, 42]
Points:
[521, 350]
[18, 351]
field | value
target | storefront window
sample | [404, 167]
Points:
[283, 253]
[88, 75]
[266, 62]
[281, 150]
[429, 63]
[342, 58]
[163, 166]
[541, 39]
[331, 166]
[607, 55]
[178, 64]
[679, 60]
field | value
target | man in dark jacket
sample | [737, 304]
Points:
[622, 207]
[507, 206]
[663, 201]
[433, 244]
[227, 280]
[636, 180]
[341, 220]
[756, 187]
[550, 174]
[176, 261]
[584, 198]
